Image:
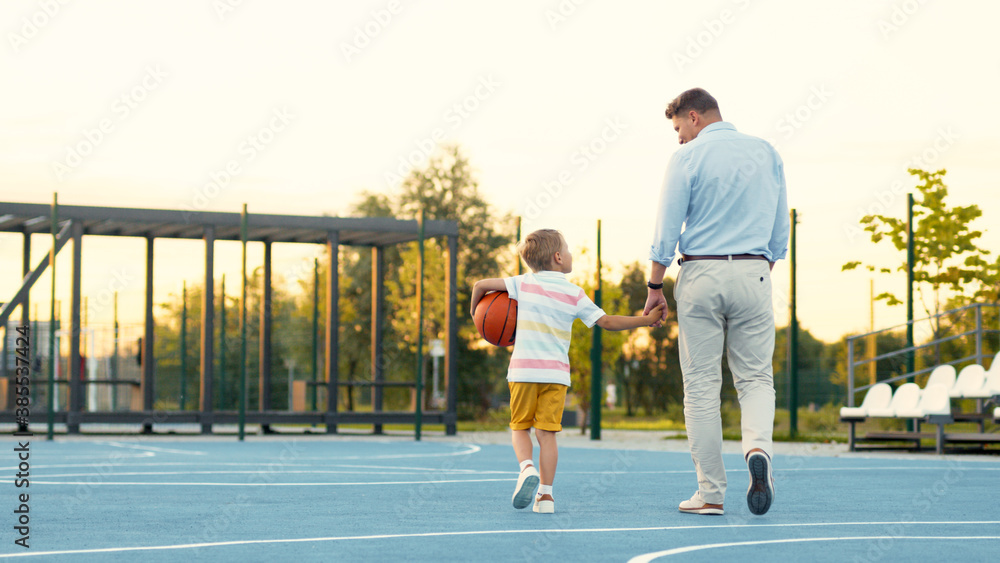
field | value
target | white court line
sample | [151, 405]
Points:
[232, 472]
[104, 455]
[362, 483]
[404, 469]
[472, 448]
[792, 470]
[474, 533]
[151, 448]
[646, 558]
[435, 469]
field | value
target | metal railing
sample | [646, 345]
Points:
[979, 331]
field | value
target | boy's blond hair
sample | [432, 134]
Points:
[539, 248]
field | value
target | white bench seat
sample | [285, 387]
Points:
[942, 375]
[990, 387]
[878, 397]
[905, 398]
[970, 381]
[934, 401]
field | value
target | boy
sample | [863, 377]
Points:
[538, 375]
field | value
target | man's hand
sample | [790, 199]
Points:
[655, 315]
[654, 300]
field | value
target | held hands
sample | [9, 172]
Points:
[656, 308]
[655, 315]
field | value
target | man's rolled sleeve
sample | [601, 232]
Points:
[778, 245]
[672, 211]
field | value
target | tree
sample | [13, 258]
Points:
[817, 363]
[614, 302]
[445, 189]
[654, 379]
[948, 262]
[167, 346]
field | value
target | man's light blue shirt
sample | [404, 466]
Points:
[728, 191]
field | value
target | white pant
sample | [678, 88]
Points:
[725, 301]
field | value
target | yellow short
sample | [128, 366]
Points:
[537, 404]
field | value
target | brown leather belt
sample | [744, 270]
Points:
[686, 258]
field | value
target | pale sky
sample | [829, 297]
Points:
[308, 103]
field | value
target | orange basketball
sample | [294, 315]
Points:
[496, 318]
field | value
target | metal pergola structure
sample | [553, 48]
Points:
[74, 222]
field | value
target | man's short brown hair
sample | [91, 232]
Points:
[696, 99]
[539, 248]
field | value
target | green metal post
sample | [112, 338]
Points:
[223, 402]
[518, 241]
[595, 356]
[114, 362]
[243, 325]
[315, 331]
[910, 259]
[420, 327]
[184, 310]
[793, 346]
[51, 387]
[3, 367]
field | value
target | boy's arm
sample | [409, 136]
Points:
[480, 289]
[620, 322]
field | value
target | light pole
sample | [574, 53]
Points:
[290, 364]
[437, 352]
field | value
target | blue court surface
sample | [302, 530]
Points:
[366, 498]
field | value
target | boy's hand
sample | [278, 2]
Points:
[481, 287]
[655, 315]
[656, 300]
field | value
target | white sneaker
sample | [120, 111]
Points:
[697, 505]
[544, 504]
[760, 494]
[527, 482]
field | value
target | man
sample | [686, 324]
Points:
[728, 190]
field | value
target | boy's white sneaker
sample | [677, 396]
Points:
[697, 505]
[527, 482]
[544, 504]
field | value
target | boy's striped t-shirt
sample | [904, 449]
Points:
[547, 305]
